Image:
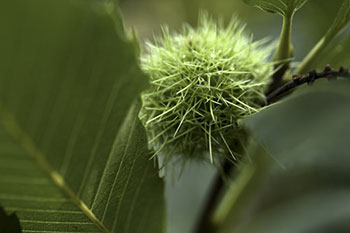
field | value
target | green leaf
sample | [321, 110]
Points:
[73, 154]
[282, 7]
[301, 183]
[342, 20]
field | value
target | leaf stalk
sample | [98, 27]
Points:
[284, 52]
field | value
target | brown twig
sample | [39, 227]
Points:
[203, 224]
[308, 78]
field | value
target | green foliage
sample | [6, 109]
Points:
[285, 8]
[73, 154]
[300, 184]
[202, 81]
[342, 20]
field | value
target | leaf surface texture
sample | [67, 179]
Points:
[73, 155]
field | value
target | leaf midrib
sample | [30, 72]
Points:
[13, 128]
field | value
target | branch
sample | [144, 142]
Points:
[204, 222]
[284, 53]
[308, 78]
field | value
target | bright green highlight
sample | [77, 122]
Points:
[202, 81]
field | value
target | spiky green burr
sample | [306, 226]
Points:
[202, 81]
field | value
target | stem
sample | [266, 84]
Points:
[311, 56]
[284, 52]
[236, 190]
[309, 78]
[282, 56]
[339, 23]
[204, 222]
[236, 205]
[213, 213]
[284, 46]
[315, 52]
[227, 169]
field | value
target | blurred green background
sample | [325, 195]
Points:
[185, 194]
[310, 23]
